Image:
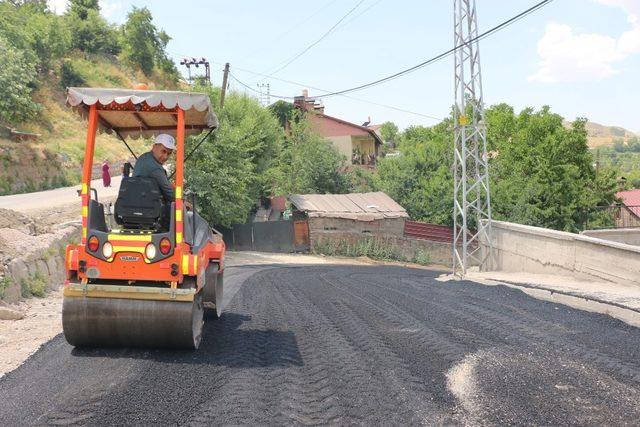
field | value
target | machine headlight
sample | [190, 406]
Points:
[107, 249]
[150, 251]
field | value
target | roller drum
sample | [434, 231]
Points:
[114, 322]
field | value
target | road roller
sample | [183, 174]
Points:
[143, 276]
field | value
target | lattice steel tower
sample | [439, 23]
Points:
[472, 204]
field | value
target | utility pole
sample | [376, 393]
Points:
[265, 93]
[224, 84]
[472, 243]
[188, 62]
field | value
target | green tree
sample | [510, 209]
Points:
[310, 164]
[17, 78]
[91, 33]
[541, 173]
[229, 174]
[143, 44]
[82, 8]
[389, 132]
[420, 177]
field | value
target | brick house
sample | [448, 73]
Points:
[360, 144]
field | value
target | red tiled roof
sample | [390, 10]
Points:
[631, 199]
[333, 126]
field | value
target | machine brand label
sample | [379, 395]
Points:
[129, 258]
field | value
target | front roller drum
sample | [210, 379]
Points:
[114, 322]
[213, 289]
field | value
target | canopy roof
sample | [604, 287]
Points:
[356, 206]
[136, 113]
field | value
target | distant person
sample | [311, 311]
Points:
[149, 165]
[106, 176]
[126, 169]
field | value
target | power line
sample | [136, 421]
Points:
[305, 50]
[296, 26]
[443, 54]
[328, 91]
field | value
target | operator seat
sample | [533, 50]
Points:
[140, 205]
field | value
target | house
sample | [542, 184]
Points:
[368, 214]
[360, 144]
[629, 214]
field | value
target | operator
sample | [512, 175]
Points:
[149, 165]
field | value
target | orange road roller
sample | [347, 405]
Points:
[145, 280]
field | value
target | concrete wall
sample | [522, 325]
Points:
[343, 145]
[540, 250]
[629, 236]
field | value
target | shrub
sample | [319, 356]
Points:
[69, 76]
[34, 286]
[17, 79]
[4, 284]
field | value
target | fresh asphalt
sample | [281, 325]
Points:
[336, 344]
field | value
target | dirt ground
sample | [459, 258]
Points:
[19, 339]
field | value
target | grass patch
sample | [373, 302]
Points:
[35, 286]
[371, 247]
[378, 248]
[5, 283]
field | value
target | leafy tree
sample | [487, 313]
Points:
[82, 8]
[91, 33]
[389, 132]
[420, 178]
[231, 173]
[541, 173]
[310, 164]
[143, 44]
[17, 78]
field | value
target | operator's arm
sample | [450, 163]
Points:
[163, 182]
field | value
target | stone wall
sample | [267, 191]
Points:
[380, 227]
[34, 263]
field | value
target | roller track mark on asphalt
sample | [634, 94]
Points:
[528, 335]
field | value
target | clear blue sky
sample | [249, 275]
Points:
[581, 57]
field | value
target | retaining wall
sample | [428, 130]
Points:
[629, 236]
[539, 250]
[40, 259]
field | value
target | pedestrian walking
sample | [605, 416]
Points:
[106, 176]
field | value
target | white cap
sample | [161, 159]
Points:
[166, 140]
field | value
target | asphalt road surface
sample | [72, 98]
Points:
[365, 345]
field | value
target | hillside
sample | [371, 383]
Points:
[600, 135]
[55, 158]
[41, 54]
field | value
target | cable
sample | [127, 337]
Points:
[257, 91]
[289, 61]
[443, 54]
[296, 26]
[328, 91]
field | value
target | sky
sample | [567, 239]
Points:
[580, 57]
